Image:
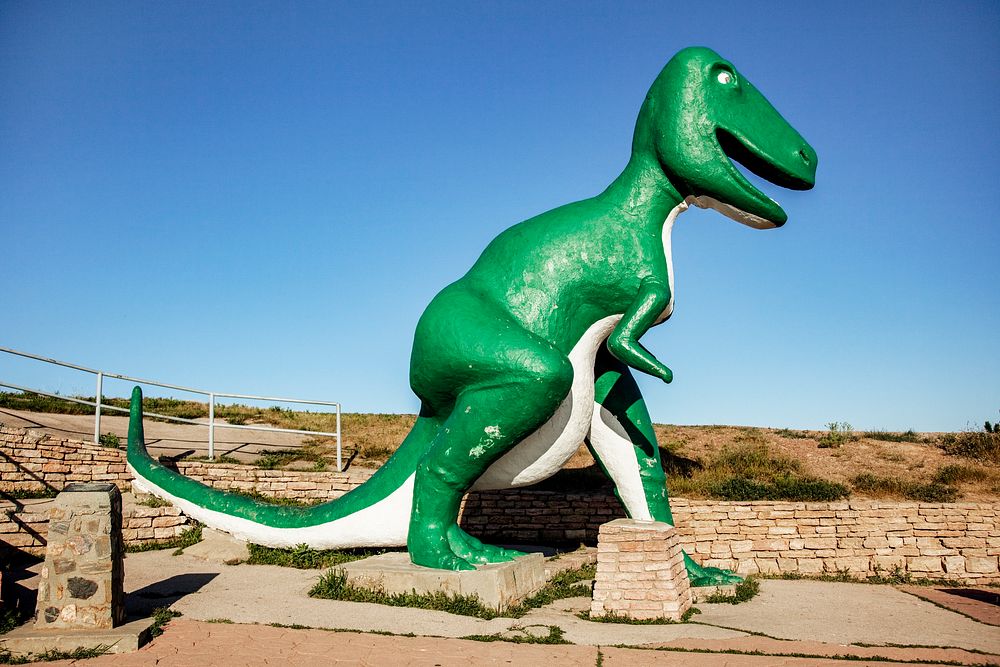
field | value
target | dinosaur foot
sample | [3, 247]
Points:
[472, 550]
[457, 551]
[709, 576]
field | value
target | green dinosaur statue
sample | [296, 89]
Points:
[532, 351]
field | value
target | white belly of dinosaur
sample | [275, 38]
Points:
[543, 453]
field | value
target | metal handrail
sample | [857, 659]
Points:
[212, 395]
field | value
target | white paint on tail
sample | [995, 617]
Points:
[384, 524]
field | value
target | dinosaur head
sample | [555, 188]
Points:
[701, 114]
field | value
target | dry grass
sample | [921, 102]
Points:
[696, 458]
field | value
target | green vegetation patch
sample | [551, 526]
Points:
[161, 616]
[33, 493]
[48, 656]
[613, 617]
[333, 585]
[523, 635]
[304, 558]
[979, 445]
[9, 619]
[750, 471]
[960, 473]
[894, 487]
[892, 436]
[745, 591]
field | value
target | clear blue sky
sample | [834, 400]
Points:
[261, 197]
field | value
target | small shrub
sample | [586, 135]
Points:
[978, 445]
[839, 434]
[745, 591]
[109, 440]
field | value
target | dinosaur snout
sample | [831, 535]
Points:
[807, 158]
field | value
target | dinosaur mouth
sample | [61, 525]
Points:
[761, 211]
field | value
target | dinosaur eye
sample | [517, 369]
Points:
[725, 77]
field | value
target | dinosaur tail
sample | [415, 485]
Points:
[377, 513]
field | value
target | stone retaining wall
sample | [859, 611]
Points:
[24, 524]
[33, 461]
[940, 540]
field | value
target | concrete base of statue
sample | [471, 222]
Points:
[497, 585]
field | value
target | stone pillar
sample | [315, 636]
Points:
[82, 581]
[640, 571]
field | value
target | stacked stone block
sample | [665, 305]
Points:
[640, 571]
[82, 581]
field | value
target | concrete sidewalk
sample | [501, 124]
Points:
[227, 610]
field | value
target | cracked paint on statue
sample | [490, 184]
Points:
[536, 344]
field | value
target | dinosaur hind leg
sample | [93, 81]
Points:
[485, 422]
[623, 442]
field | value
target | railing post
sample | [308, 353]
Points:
[97, 408]
[340, 464]
[211, 427]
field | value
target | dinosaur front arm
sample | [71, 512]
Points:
[650, 302]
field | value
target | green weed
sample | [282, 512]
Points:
[161, 616]
[109, 439]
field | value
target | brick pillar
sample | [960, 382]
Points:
[640, 571]
[82, 581]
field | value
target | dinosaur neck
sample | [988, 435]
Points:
[642, 193]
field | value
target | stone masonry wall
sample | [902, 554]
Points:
[939, 540]
[33, 461]
[24, 524]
